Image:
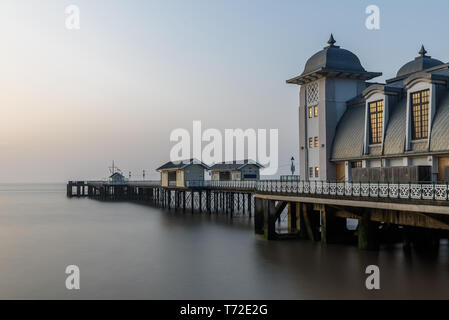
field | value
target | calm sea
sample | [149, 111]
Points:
[132, 251]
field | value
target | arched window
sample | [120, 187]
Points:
[376, 115]
[420, 114]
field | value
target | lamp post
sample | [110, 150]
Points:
[292, 168]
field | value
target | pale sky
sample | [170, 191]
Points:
[74, 100]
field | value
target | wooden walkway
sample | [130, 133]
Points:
[315, 210]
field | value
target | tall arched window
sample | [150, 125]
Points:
[376, 115]
[420, 114]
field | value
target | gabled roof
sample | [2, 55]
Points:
[235, 165]
[117, 174]
[181, 164]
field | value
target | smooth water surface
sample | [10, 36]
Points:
[132, 251]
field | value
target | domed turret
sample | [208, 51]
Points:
[333, 61]
[332, 57]
[420, 63]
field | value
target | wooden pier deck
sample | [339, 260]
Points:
[315, 210]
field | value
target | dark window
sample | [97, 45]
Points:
[376, 115]
[172, 176]
[225, 176]
[311, 172]
[250, 176]
[356, 164]
[420, 114]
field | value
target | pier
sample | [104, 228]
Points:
[315, 210]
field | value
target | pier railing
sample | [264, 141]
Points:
[392, 190]
[420, 190]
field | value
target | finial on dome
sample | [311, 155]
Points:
[422, 51]
[331, 40]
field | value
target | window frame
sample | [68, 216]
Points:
[317, 172]
[315, 111]
[310, 112]
[316, 142]
[310, 143]
[310, 172]
[420, 132]
[356, 164]
[376, 116]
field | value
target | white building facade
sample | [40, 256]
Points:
[353, 130]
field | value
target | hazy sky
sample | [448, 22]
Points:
[73, 100]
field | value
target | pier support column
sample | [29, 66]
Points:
[311, 222]
[368, 232]
[69, 190]
[269, 219]
[216, 201]
[184, 200]
[249, 204]
[232, 200]
[168, 199]
[332, 228]
[258, 216]
[208, 201]
[238, 201]
[292, 218]
[300, 222]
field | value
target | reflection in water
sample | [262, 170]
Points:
[127, 250]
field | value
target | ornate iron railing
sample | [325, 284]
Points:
[412, 190]
[390, 190]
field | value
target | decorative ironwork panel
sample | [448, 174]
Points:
[415, 191]
[441, 192]
[340, 189]
[348, 188]
[319, 187]
[312, 94]
[427, 191]
[333, 188]
[404, 191]
[356, 189]
[373, 189]
[383, 190]
[312, 187]
[393, 190]
[301, 187]
[364, 189]
[306, 187]
[325, 188]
